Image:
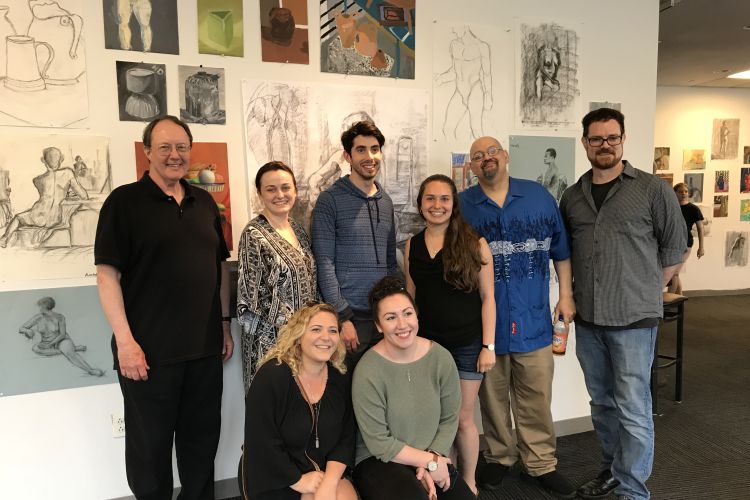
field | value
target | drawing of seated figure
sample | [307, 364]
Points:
[471, 73]
[46, 215]
[54, 339]
[142, 11]
[551, 178]
[548, 62]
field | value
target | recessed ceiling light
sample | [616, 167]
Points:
[744, 75]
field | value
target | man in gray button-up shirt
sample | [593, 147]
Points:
[627, 240]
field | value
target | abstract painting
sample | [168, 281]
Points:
[208, 170]
[51, 190]
[43, 64]
[745, 180]
[693, 159]
[220, 28]
[695, 187]
[202, 95]
[301, 125]
[721, 182]
[735, 248]
[368, 37]
[141, 25]
[549, 161]
[141, 91]
[725, 139]
[721, 205]
[661, 159]
[52, 339]
[283, 31]
[744, 210]
[548, 76]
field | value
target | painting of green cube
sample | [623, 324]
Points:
[53, 339]
[368, 37]
[220, 27]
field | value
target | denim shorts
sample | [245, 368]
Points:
[466, 360]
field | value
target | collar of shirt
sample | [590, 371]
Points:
[156, 191]
[476, 195]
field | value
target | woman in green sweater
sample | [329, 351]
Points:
[406, 398]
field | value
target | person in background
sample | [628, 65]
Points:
[448, 270]
[276, 267]
[692, 215]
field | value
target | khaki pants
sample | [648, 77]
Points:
[522, 381]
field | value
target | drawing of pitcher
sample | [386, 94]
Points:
[22, 63]
[6, 29]
[62, 30]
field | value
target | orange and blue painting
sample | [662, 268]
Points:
[368, 37]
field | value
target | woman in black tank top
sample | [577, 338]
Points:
[449, 273]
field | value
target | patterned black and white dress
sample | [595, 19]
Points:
[275, 279]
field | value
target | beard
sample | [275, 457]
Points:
[490, 168]
[605, 163]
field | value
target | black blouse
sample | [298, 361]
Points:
[280, 435]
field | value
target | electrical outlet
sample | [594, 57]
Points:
[118, 425]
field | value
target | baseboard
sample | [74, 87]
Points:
[573, 426]
[714, 293]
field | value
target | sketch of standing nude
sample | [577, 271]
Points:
[548, 61]
[142, 11]
[471, 72]
[54, 339]
[724, 137]
[56, 185]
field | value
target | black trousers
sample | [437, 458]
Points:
[180, 403]
[367, 334]
[377, 480]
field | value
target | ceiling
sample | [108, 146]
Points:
[703, 41]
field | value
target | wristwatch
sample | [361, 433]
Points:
[490, 347]
[432, 465]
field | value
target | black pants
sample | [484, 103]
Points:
[179, 403]
[367, 334]
[376, 480]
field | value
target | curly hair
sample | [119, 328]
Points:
[462, 258]
[386, 287]
[287, 348]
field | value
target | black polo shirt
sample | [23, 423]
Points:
[169, 257]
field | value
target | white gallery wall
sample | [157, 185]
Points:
[684, 120]
[59, 444]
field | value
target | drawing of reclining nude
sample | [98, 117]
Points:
[48, 213]
[54, 338]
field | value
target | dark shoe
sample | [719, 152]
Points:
[553, 483]
[491, 476]
[599, 487]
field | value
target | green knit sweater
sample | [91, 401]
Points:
[398, 404]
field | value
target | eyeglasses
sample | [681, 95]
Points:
[481, 155]
[596, 141]
[166, 149]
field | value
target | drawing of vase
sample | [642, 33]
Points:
[202, 95]
[62, 30]
[220, 27]
[22, 63]
[142, 84]
[346, 26]
[6, 29]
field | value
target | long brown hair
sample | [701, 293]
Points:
[462, 259]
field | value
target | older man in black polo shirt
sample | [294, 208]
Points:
[159, 254]
[627, 240]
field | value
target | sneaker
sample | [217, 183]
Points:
[491, 476]
[554, 483]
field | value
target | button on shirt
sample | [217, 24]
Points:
[523, 235]
[619, 250]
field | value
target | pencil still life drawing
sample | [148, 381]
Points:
[735, 248]
[550, 161]
[725, 139]
[283, 30]
[301, 125]
[43, 64]
[202, 95]
[368, 37]
[661, 159]
[51, 191]
[141, 25]
[53, 339]
[141, 91]
[549, 75]
[220, 27]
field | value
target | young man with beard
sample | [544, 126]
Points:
[522, 224]
[627, 238]
[354, 238]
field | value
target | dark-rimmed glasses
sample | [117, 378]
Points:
[596, 141]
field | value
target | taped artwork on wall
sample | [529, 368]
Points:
[51, 190]
[695, 187]
[141, 91]
[43, 64]
[141, 25]
[283, 30]
[301, 125]
[549, 161]
[461, 172]
[693, 159]
[736, 248]
[220, 27]
[53, 339]
[661, 159]
[745, 180]
[208, 170]
[368, 37]
[725, 139]
[202, 95]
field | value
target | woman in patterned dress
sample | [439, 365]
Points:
[277, 272]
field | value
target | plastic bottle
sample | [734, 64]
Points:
[560, 337]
